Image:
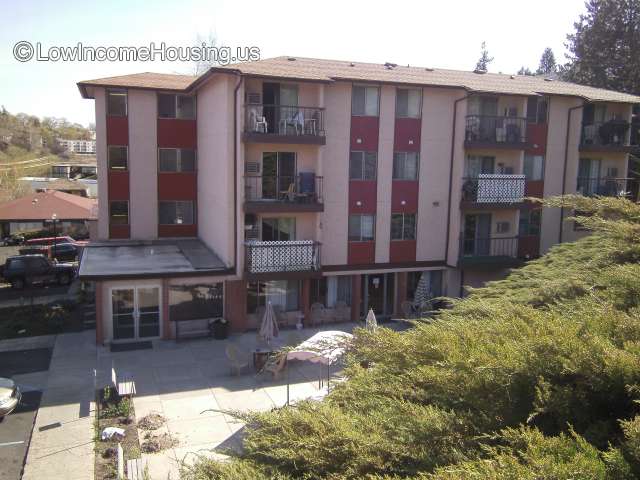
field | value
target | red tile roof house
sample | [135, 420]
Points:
[299, 181]
[73, 213]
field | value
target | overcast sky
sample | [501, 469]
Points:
[444, 34]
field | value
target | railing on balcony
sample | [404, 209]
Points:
[612, 133]
[495, 129]
[493, 188]
[284, 120]
[608, 187]
[480, 247]
[277, 257]
[304, 188]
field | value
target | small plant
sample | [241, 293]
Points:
[106, 393]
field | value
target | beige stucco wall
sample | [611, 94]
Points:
[505, 158]
[143, 164]
[101, 158]
[309, 94]
[385, 172]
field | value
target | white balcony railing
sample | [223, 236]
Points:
[290, 256]
[493, 188]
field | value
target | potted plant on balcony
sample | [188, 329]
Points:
[219, 328]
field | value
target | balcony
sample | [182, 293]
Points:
[492, 191]
[283, 124]
[608, 187]
[493, 131]
[299, 193]
[489, 252]
[609, 136]
[289, 259]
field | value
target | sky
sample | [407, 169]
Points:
[444, 34]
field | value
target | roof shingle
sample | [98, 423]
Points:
[42, 206]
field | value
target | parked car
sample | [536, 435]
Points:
[10, 396]
[22, 270]
[13, 240]
[64, 252]
[35, 250]
[50, 240]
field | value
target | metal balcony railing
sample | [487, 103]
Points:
[303, 188]
[284, 120]
[289, 256]
[606, 134]
[495, 129]
[493, 188]
[489, 247]
[607, 187]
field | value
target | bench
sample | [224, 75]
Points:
[123, 383]
[135, 469]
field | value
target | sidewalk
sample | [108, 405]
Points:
[62, 440]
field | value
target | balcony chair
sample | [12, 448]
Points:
[296, 121]
[289, 194]
[261, 125]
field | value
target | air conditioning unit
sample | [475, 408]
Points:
[252, 168]
[254, 98]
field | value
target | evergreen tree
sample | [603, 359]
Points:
[547, 63]
[485, 59]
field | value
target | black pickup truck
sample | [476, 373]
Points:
[24, 270]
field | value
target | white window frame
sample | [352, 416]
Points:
[179, 160]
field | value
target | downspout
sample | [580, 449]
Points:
[235, 174]
[453, 146]
[564, 169]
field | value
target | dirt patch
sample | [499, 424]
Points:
[153, 421]
[157, 443]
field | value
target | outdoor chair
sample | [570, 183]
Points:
[276, 364]
[261, 125]
[317, 313]
[342, 312]
[289, 194]
[238, 360]
[408, 309]
[281, 316]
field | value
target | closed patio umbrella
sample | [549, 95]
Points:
[269, 326]
[422, 294]
[371, 323]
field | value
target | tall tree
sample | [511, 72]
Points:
[485, 59]
[547, 63]
[525, 71]
[603, 50]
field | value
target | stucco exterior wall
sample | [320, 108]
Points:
[385, 172]
[101, 159]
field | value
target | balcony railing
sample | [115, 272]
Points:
[608, 187]
[494, 129]
[485, 247]
[284, 120]
[612, 133]
[302, 189]
[278, 257]
[493, 188]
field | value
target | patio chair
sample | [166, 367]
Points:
[238, 360]
[342, 312]
[408, 309]
[289, 194]
[281, 316]
[317, 313]
[275, 365]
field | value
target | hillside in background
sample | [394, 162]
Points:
[533, 377]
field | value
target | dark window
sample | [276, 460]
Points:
[537, 109]
[433, 278]
[364, 101]
[118, 158]
[16, 264]
[530, 222]
[361, 228]
[408, 102]
[405, 166]
[176, 213]
[362, 165]
[117, 103]
[176, 106]
[283, 294]
[403, 226]
[280, 229]
[177, 159]
[194, 302]
[119, 213]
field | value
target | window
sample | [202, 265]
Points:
[362, 165]
[537, 109]
[59, 172]
[330, 290]
[283, 294]
[530, 222]
[177, 159]
[408, 102]
[365, 101]
[403, 226]
[118, 158]
[281, 229]
[117, 103]
[533, 168]
[361, 228]
[503, 227]
[176, 106]
[194, 302]
[176, 213]
[405, 166]
[119, 213]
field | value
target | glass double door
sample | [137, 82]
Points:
[378, 294]
[135, 312]
[278, 174]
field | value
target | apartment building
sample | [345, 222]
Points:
[78, 146]
[300, 181]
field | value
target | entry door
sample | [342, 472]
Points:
[477, 231]
[278, 173]
[378, 293]
[135, 313]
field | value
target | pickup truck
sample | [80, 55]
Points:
[24, 270]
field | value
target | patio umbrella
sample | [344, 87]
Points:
[269, 326]
[371, 323]
[422, 294]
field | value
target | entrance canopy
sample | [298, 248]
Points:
[323, 348]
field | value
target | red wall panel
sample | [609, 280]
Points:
[177, 133]
[119, 231]
[537, 138]
[402, 251]
[118, 185]
[117, 131]
[534, 188]
[177, 186]
[177, 230]
[361, 253]
[404, 191]
[407, 134]
[365, 192]
[364, 133]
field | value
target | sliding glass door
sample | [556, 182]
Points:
[135, 312]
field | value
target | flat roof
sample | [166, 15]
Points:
[149, 259]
